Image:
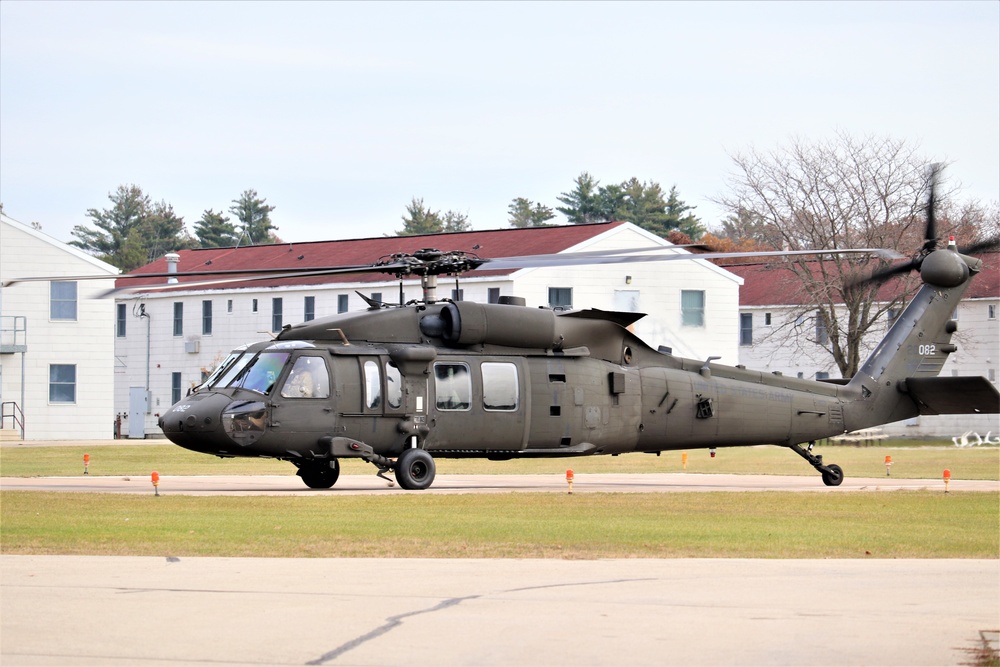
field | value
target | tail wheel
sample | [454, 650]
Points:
[415, 469]
[321, 474]
[833, 475]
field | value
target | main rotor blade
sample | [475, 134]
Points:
[577, 259]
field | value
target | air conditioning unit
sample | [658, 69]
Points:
[192, 346]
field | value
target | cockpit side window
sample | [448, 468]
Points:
[393, 386]
[309, 378]
[373, 386]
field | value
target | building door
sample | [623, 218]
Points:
[137, 412]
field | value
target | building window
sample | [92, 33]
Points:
[229, 305]
[767, 319]
[178, 318]
[377, 297]
[693, 308]
[62, 300]
[62, 383]
[561, 298]
[452, 386]
[457, 294]
[276, 318]
[206, 319]
[121, 314]
[992, 374]
[892, 315]
[822, 375]
[309, 309]
[342, 300]
[746, 328]
[822, 335]
[253, 306]
[991, 312]
[175, 388]
[493, 295]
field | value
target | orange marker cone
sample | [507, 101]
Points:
[684, 460]
[947, 478]
[888, 464]
[569, 480]
[86, 464]
[155, 477]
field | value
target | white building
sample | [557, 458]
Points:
[56, 340]
[779, 333]
[168, 341]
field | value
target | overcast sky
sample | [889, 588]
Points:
[339, 113]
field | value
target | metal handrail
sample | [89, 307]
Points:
[15, 414]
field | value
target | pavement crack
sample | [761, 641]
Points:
[390, 623]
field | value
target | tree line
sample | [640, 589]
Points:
[135, 230]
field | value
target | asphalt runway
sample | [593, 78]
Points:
[83, 610]
[280, 485]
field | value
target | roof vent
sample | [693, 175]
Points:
[173, 259]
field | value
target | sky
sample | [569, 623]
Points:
[340, 113]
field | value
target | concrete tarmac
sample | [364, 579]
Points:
[82, 610]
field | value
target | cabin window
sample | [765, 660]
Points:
[453, 386]
[121, 315]
[500, 391]
[342, 303]
[178, 318]
[561, 298]
[393, 386]
[746, 328]
[309, 378]
[693, 308]
[62, 383]
[309, 309]
[206, 318]
[373, 386]
[62, 300]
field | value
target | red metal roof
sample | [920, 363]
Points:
[356, 252]
[772, 285]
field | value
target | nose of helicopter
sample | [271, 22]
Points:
[195, 423]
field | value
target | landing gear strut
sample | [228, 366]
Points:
[832, 474]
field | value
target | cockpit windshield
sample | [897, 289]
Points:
[257, 374]
[220, 369]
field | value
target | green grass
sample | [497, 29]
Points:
[898, 524]
[910, 461]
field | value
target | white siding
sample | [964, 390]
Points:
[86, 342]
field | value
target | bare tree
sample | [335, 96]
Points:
[844, 193]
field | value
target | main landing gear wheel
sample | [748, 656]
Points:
[414, 469]
[833, 475]
[320, 474]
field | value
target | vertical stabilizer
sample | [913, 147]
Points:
[917, 345]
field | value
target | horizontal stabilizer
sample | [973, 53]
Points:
[953, 395]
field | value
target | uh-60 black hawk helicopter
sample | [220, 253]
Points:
[400, 386]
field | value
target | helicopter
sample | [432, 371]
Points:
[399, 386]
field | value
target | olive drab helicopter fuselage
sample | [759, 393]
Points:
[404, 385]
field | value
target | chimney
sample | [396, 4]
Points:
[173, 259]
